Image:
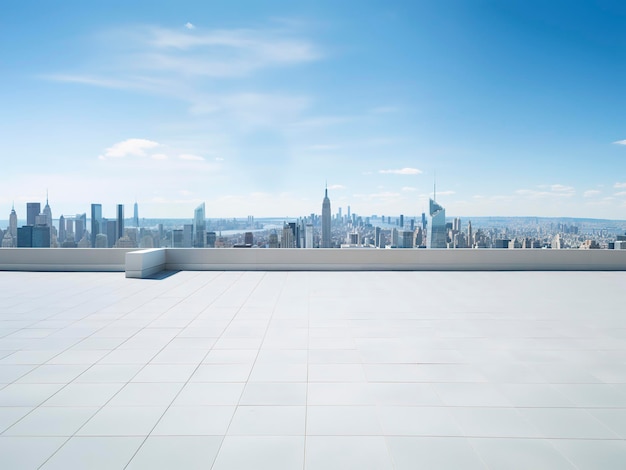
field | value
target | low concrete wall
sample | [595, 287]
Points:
[145, 263]
[63, 259]
[240, 259]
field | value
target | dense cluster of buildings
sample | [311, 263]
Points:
[313, 231]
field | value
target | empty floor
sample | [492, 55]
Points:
[313, 370]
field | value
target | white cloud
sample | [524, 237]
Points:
[445, 193]
[336, 186]
[402, 171]
[619, 185]
[190, 157]
[129, 147]
[189, 26]
[561, 188]
[620, 142]
[620, 193]
[591, 193]
[159, 156]
[409, 188]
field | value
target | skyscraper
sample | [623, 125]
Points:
[437, 238]
[120, 222]
[136, 214]
[13, 225]
[48, 212]
[199, 227]
[62, 232]
[96, 222]
[33, 209]
[326, 221]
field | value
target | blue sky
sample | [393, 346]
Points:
[250, 106]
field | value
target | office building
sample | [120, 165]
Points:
[309, 236]
[326, 242]
[33, 209]
[438, 232]
[96, 222]
[199, 227]
[136, 214]
[120, 221]
[211, 237]
[47, 212]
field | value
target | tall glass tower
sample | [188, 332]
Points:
[96, 222]
[120, 222]
[437, 238]
[326, 221]
[199, 227]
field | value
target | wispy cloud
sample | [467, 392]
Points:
[560, 188]
[129, 147]
[190, 157]
[336, 186]
[591, 193]
[620, 142]
[550, 191]
[401, 171]
[619, 185]
[136, 56]
[409, 189]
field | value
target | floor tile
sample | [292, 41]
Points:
[94, 453]
[195, 421]
[261, 453]
[52, 421]
[27, 452]
[341, 452]
[184, 452]
[268, 421]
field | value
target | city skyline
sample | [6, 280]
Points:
[250, 108]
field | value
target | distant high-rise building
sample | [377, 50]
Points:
[438, 231]
[405, 239]
[120, 222]
[199, 227]
[470, 240]
[30, 236]
[273, 239]
[47, 212]
[309, 236]
[13, 225]
[62, 232]
[248, 238]
[102, 241]
[33, 209]
[80, 223]
[326, 243]
[25, 236]
[96, 223]
[136, 214]
[211, 237]
[187, 235]
[111, 232]
[287, 240]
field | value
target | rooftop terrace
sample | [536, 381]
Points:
[315, 370]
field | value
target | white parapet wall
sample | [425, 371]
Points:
[146, 263]
[63, 259]
[241, 259]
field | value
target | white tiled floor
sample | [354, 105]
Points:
[313, 370]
